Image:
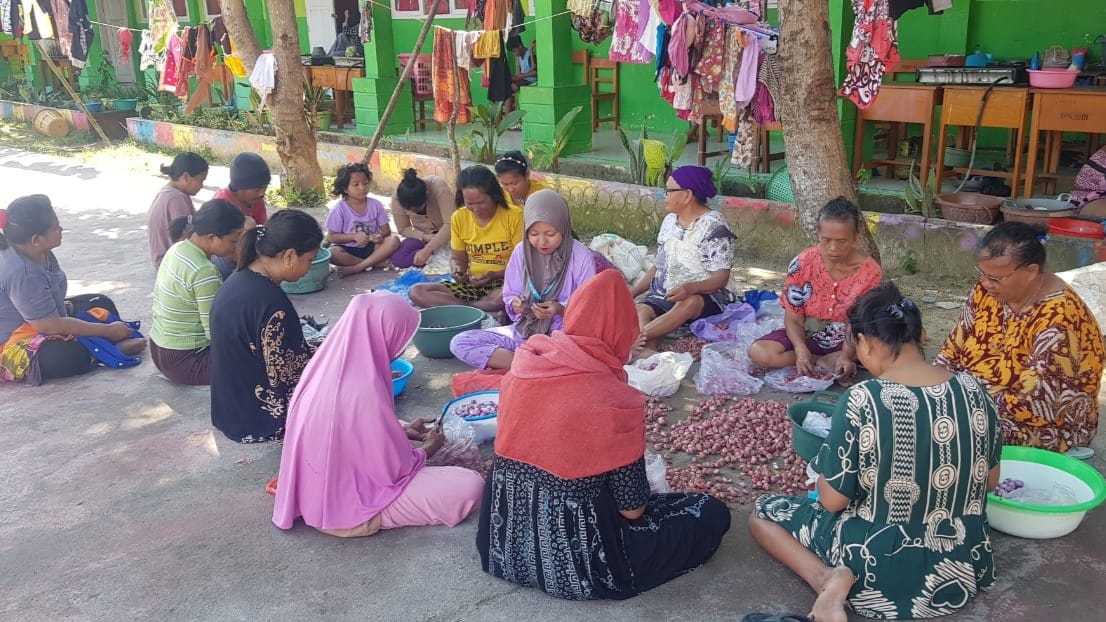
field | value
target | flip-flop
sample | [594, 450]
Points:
[776, 617]
[271, 487]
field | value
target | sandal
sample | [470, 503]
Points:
[271, 487]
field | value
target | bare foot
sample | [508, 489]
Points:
[830, 604]
[131, 347]
[368, 528]
[345, 271]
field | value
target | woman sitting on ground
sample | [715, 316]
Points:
[893, 545]
[821, 285]
[544, 270]
[357, 225]
[513, 171]
[422, 209]
[257, 346]
[37, 323]
[482, 234]
[348, 466]
[694, 255]
[187, 174]
[567, 507]
[1032, 341]
[180, 338]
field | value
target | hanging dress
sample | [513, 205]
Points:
[625, 47]
[872, 51]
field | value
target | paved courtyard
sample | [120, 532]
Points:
[119, 502]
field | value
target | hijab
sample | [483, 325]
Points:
[346, 456]
[698, 179]
[564, 406]
[544, 275]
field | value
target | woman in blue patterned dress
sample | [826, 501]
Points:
[899, 529]
[567, 507]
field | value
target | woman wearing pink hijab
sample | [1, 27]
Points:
[348, 467]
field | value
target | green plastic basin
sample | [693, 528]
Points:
[315, 279]
[439, 325]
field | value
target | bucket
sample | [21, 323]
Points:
[315, 279]
[439, 325]
[51, 123]
[804, 443]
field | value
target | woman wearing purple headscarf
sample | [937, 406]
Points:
[695, 251]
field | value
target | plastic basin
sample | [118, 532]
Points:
[483, 425]
[439, 325]
[400, 383]
[1052, 78]
[126, 103]
[1038, 468]
[315, 279]
[804, 443]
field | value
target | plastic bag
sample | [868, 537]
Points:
[725, 369]
[456, 429]
[723, 327]
[631, 260]
[441, 262]
[817, 423]
[788, 380]
[460, 447]
[1057, 494]
[657, 473]
[406, 281]
[660, 374]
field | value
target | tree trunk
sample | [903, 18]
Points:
[807, 108]
[403, 78]
[295, 137]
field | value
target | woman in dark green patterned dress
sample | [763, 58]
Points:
[899, 529]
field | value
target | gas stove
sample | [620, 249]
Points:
[1014, 73]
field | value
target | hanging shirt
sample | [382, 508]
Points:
[6, 16]
[81, 30]
[263, 78]
[60, 11]
[487, 45]
[365, 26]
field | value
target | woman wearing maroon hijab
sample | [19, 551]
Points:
[567, 507]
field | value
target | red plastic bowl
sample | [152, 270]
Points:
[1076, 228]
[1052, 78]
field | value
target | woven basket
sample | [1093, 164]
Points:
[779, 187]
[972, 207]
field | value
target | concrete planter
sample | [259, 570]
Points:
[766, 230]
[113, 122]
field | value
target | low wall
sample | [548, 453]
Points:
[766, 230]
[113, 122]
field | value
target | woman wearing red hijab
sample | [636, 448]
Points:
[567, 507]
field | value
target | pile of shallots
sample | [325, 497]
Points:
[739, 448]
[689, 345]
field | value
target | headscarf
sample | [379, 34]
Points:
[544, 275]
[564, 406]
[698, 179]
[346, 456]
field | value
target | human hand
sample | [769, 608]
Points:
[803, 361]
[547, 310]
[422, 257]
[362, 238]
[117, 331]
[376, 238]
[435, 440]
[480, 280]
[518, 305]
[676, 294]
[845, 371]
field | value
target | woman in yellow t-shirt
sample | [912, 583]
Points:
[513, 171]
[482, 233]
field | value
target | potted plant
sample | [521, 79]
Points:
[314, 100]
[92, 96]
[127, 97]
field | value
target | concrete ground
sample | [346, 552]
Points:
[120, 503]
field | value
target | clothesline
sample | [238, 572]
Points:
[116, 27]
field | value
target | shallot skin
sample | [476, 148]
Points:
[734, 449]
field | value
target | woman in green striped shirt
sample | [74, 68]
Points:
[186, 285]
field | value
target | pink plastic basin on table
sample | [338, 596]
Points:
[1052, 78]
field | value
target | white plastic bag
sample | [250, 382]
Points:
[659, 375]
[725, 369]
[724, 326]
[788, 380]
[632, 260]
[657, 473]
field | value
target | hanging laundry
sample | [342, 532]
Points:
[187, 66]
[669, 10]
[495, 14]
[679, 44]
[163, 23]
[746, 85]
[626, 46]
[234, 63]
[60, 11]
[6, 16]
[36, 19]
[594, 28]
[489, 44]
[731, 60]
[80, 28]
[263, 78]
[220, 36]
[872, 51]
[499, 79]
[744, 148]
[170, 75]
[518, 20]
[579, 8]
[450, 81]
[147, 57]
[647, 28]
[125, 42]
[365, 27]
[208, 72]
[463, 42]
[712, 52]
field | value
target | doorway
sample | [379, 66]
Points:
[320, 23]
[115, 12]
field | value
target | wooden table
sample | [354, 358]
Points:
[1007, 107]
[898, 104]
[340, 79]
[1061, 110]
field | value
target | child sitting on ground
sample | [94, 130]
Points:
[357, 226]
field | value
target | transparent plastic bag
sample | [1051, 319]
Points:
[725, 369]
[657, 473]
[788, 380]
[660, 374]
[460, 446]
[630, 259]
[1057, 494]
[724, 326]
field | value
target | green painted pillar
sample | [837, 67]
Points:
[556, 91]
[841, 20]
[371, 93]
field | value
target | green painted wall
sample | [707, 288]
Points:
[1018, 28]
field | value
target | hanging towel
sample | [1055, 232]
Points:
[263, 78]
[171, 74]
[745, 86]
[488, 45]
[37, 20]
[463, 42]
[163, 23]
[449, 79]
[125, 42]
[872, 51]
[81, 30]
